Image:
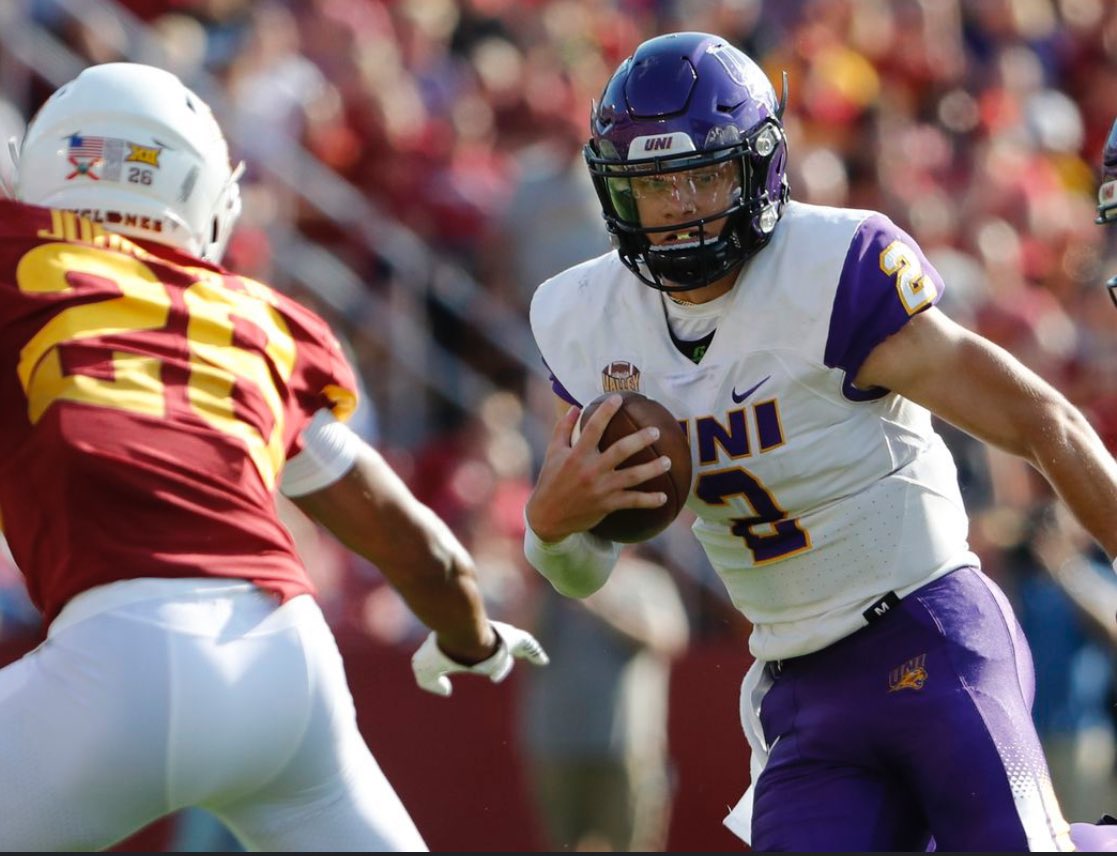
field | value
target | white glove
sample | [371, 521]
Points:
[431, 666]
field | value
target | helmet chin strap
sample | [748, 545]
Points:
[688, 271]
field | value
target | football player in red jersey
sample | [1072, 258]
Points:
[152, 403]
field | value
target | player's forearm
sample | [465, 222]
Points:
[1072, 457]
[435, 574]
[373, 513]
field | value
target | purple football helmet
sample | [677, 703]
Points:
[681, 102]
[1107, 194]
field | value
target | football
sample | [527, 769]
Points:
[631, 525]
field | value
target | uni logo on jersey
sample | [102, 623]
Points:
[657, 145]
[620, 375]
[912, 675]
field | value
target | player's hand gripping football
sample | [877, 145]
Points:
[578, 485]
[431, 666]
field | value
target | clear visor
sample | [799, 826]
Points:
[663, 199]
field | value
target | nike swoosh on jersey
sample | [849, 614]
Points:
[739, 397]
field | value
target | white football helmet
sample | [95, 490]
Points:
[132, 148]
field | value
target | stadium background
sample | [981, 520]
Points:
[413, 174]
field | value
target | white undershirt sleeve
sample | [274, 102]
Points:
[329, 451]
[576, 566]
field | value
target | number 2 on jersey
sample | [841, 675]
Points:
[136, 384]
[915, 288]
[768, 533]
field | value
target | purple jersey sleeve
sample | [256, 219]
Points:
[885, 280]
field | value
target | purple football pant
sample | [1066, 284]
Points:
[916, 727]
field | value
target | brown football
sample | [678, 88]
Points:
[630, 525]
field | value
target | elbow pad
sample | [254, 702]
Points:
[329, 451]
[576, 566]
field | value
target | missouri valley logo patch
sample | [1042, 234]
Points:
[912, 675]
[620, 375]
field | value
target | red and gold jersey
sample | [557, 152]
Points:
[148, 402]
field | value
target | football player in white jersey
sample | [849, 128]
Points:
[1102, 836]
[802, 349]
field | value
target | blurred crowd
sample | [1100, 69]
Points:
[976, 125]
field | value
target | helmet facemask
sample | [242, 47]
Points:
[682, 103]
[729, 183]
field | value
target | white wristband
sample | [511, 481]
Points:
[576, 566]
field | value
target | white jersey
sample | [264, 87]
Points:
[815, 499]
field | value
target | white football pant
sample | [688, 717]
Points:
[152, 695]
